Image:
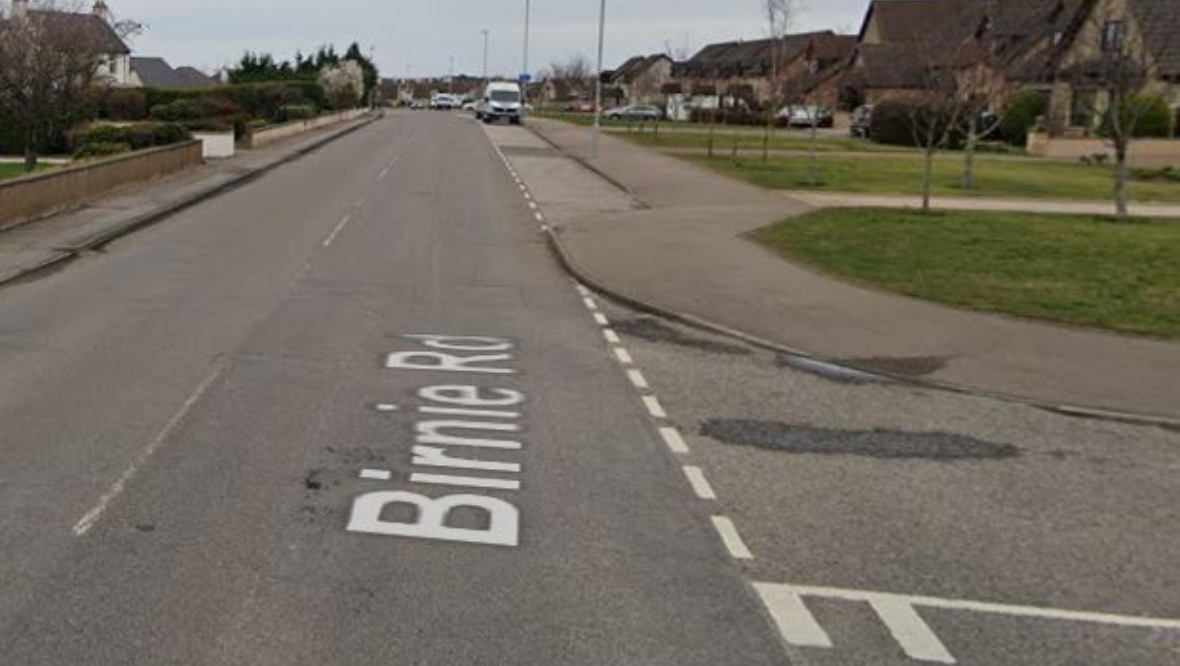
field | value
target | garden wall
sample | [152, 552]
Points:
[40, 194]
[270, 135]
[1145, 153]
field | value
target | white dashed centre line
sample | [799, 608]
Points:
[623, 356]
[732, 540]
[700, 485]
[612, 337]
[638, 380]
[601, 319]
[336, 232]
[590, 304]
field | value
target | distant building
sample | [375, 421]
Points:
[157, 73]
[94, 28]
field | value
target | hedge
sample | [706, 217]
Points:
[1020, 114]
[137, 136]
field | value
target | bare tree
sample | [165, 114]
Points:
[1118, 73]
[982, 91]
[49, 65]
[780, 16]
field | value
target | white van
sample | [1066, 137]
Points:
[501, 101]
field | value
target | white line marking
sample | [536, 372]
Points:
[654, 407]
[590, 304]
[910, 631]
[386, 407]
[612, 337]
[528, 196]
[95, 514]
[623, 356]
[376, 475]
[582, 290]
[601, 319]
[540, 217]
[638, 380]
[674, 441]
[336, 232]
[383, 174]
[532, 205]
[992, 608]
[700, 485]
[795, 622]
[731, 538]
[465, 481]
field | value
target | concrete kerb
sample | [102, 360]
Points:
[131, 225]
[590, 166]
[814, 364]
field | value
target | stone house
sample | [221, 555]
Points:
[640, 79]
[94, 27]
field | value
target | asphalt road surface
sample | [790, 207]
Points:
[355, 413]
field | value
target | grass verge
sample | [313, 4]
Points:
[902, 175]
[1086, 271]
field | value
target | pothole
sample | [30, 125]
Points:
[885, 444]
[655, 330]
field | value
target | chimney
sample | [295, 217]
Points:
[102, 11]
[20, 8]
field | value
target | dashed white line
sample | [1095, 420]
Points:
[95, 514]
[539, 216]
[624, 356]
[674, 441]
[732, 540]
[583, 291]
[601, 319]
[700, 485]
[532, 205]
[654, 407]
[612, 337]
[638, 379]
[336, 232]
[590, 304]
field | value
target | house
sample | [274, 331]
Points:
[1039, 45]
[753, 72]
[157, 73]
[640, 79]
[93, 28]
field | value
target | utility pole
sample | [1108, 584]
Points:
[452, 75]
[524, 72]
[485, 58]
[597, 133]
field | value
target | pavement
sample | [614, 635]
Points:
[680, 249]
[40, 244]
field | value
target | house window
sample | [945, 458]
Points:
[1114, 33]
[113, 66]
[1082, 108]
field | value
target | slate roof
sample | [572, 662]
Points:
[1159, 21]
[635, 67]
[748, 59]
[157, 73]
[86, 28]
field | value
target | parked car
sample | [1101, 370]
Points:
[636, 112]
[417, 104]
[443, 102]
[862, 121]
[806, 116]
[501, 101]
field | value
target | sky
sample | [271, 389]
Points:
[421, 37]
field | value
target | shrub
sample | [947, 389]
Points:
[291, 112]
[1020, 114]
[893, 123]
[123, 104]
[198, 108]
[101, 149]
[137, 136]
[1150, 113]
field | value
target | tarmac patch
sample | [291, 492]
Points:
[655, 330]
[883, 444]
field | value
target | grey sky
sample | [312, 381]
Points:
[422, 35]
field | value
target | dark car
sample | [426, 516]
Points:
[638, 112]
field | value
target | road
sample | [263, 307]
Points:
[355, 413]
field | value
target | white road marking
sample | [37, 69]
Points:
[386, 407]
[601, 319]
[624, 356]
[898, 613]
[336, 232]
[674, 441]
[540, 217]
[583, 291]
[654, 407]
[638, 380]
[376, 475]
[383, 174]
[590, 304]
[612, 337]
[700, 485]
[795, 622]
[733, 541]
[532, 205]
[95, 514]
[910, 631]
[465, 481]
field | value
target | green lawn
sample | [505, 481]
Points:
[693, 136]
[12, 171]
[1078, 270]
[995, 177]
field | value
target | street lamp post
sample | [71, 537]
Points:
[524, 72]
[485, 58]
[597, 133]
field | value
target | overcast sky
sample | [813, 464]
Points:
[421, 36]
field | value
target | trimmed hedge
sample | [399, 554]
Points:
[893, 123]
[1020, 114]
[1150, 113]
[101, 149]
[137, 136]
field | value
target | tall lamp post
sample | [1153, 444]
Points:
[485, 58]
[524, 72]
[597, 133]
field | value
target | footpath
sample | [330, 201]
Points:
[40, 244]
[684, 253]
